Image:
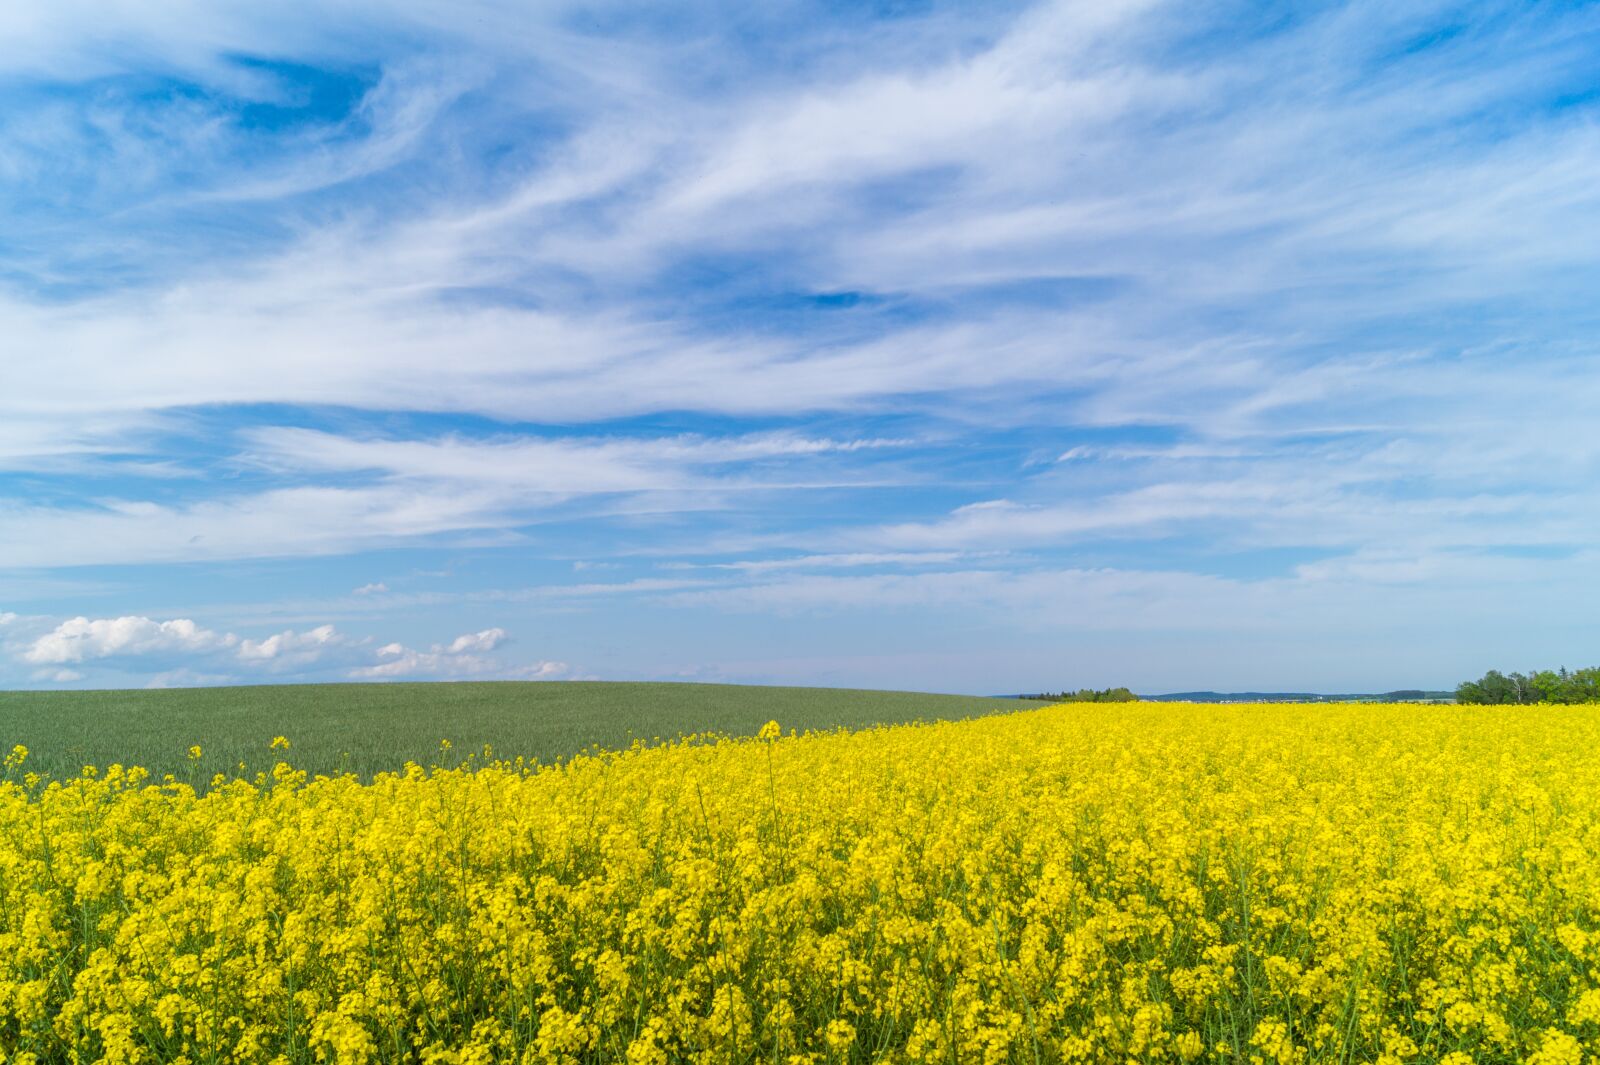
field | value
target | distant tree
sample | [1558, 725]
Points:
[1552, 685]
[1584, 685]
[1563, 686]
[1501, 689]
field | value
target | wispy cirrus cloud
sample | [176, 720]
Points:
[405, 490]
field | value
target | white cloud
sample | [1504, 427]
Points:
[1458, 591]
[467, 655]
[847, 560]
[553, 465]
[291, 650]
[423, 488]
[291, 521]
[52, 443]
[83, 639]
[189, 678]
[1097, 597]
[639, 585]
[128, 641]
[546, 671]
[476, 642]
[375, 588]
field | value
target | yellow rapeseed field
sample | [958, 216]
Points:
[1094, 883]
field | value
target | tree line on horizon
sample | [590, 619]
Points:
[1543, 686]
[1085, 695]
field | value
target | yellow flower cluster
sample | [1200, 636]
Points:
[1082, 883]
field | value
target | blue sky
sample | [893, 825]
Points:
[972, 348]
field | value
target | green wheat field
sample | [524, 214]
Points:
[369, 728]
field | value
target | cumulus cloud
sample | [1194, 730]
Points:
[290, 649]
[467, 655]
[476, 642]
[82, 638]
[375, 588]
[129, 639]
